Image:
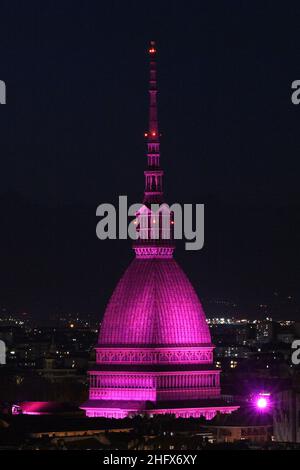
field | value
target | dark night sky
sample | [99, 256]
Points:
[72, 138]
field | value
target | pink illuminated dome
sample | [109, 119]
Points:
[154, 303]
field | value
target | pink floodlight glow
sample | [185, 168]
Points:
[262, 401]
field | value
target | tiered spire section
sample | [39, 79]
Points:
[153, 174]
[155, 226]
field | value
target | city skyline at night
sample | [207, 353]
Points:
[65, 135]
[164, 316]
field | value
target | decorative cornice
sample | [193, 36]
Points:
[154, 356]
[147, 252]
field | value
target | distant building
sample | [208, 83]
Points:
[49, 426]
[285, 337]
[242, 425]
[265, 331]
[40, 408]
[233, 352]
[286, 416]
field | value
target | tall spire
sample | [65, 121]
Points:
[156, 234]
[153, 174]
[153, 123]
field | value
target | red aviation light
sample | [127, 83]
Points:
[152, 50]
[146, 134]
[153, 133]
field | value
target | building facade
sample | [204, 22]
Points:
[286, 416]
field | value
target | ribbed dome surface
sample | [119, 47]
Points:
[154, 303]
